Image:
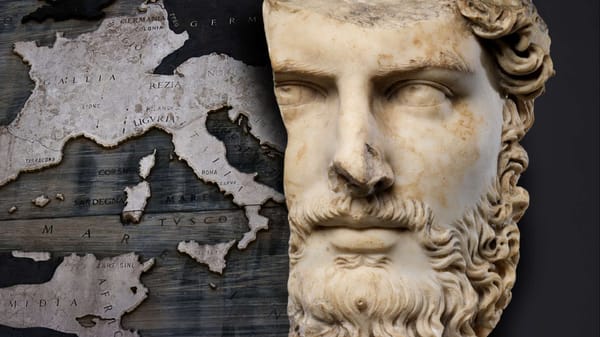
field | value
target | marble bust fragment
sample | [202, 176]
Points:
[401, 168]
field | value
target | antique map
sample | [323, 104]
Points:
[148, 138]
[88, 309]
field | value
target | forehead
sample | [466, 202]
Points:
[370, 13]
[417, 34]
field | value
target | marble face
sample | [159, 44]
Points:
[395, 127]
[372, 111]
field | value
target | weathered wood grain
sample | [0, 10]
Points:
[250, 298]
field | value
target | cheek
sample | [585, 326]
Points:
[308, 155]
[448, 164]
[468, 160]
[463, 145]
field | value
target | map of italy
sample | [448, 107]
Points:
[107, 92]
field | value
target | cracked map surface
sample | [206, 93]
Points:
[110, 102]
[132, 122]
[89, 307]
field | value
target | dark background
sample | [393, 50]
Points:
[556, 293]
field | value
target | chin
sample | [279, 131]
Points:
[363, 296]
[435, 280]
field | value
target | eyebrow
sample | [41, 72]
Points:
[445, 60]
[294, 67]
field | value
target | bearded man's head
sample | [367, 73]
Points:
[404, 120]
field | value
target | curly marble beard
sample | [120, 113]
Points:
[329, 304]
[474, 262]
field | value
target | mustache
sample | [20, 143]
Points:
[447, 302]
[383, 211]
[353, 261]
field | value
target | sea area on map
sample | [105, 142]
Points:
[92, 178]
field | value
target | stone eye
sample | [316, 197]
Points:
[418, 93]
[297, 93]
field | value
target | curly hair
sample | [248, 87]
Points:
[517, 38]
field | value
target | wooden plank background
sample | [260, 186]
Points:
[250, 298]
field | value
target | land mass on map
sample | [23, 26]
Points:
[243, 147]
[137, 198]
[110, 102]
[138, 195]
[211, 255]
[86, 296]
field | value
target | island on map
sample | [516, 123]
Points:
[138, 195]
[211, 255]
